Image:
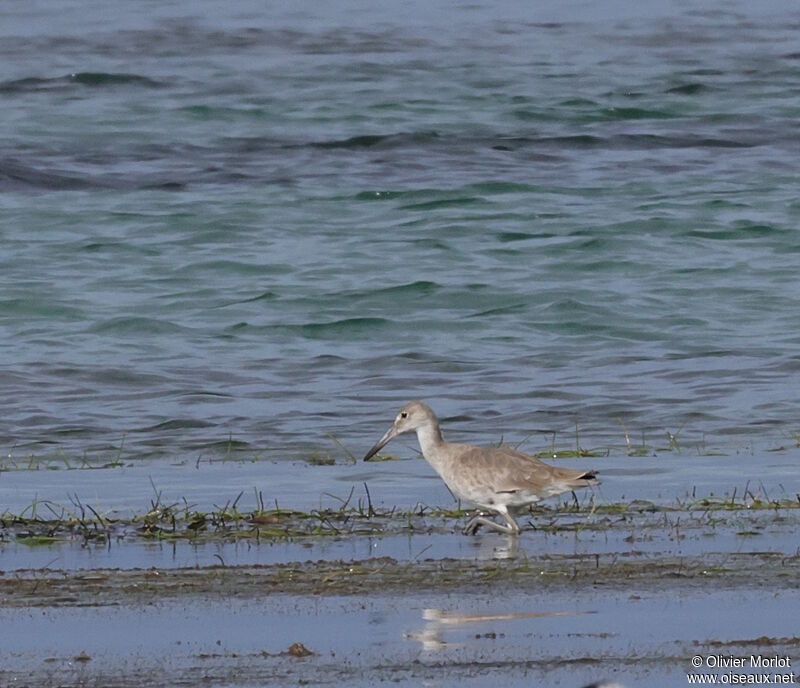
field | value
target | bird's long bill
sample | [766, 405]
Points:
[391, 432]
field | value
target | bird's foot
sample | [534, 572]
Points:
[482, 519]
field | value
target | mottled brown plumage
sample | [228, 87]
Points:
[498, 479]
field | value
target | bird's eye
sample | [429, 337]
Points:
[403, 414]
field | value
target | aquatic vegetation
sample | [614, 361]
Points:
[44, 522]
[33, 540]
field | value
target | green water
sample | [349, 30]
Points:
[269, 225]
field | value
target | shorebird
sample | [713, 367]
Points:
[496, 479]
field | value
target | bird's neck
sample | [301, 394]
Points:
[430, 441]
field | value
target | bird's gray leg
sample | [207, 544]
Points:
[511, 527]
[476, 522]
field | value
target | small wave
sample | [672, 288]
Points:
[410, 195]
[742, 231]
[203, 393]
[690, 141]
[578, 103]
[571, 306]
[573, 141]
[419, 195]
[497, 187]
[690, 89]
[134, 325]
[509, 237]
[365, 141]
[210, 113]
[418, 288]
[624, 113]
[500, 310]
[176, 424]
[457, 202]
[16, 175]
[91, 79]
[169, 185]
[625, 142]
[345, 327]
[232, 267]
[28, 85]
[373, 140]
[33, 307]
[263, 296]
[432, 244]
[596, 114]
[378, 195]
[111, 79]
[336, 329]
[410, 290]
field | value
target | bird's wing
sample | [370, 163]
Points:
[512, 470]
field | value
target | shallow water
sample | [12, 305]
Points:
[561, 639]
[630, 596]
[249, 228]
[670, 481]
[131, 488]
[654, 537]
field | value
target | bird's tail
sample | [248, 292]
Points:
[575, 479]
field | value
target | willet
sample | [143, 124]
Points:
[497, 479]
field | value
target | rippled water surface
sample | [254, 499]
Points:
[249, 228]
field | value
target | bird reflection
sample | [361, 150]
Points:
[438, 620]
[499, 548]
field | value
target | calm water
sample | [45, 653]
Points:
[564, 639]
[272, 225]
